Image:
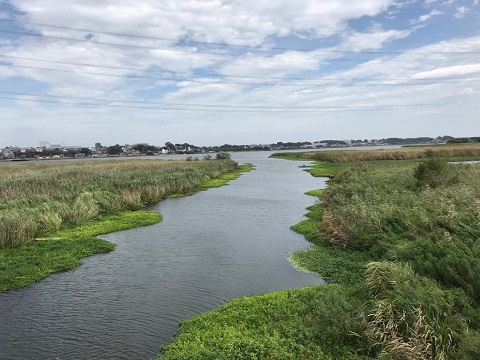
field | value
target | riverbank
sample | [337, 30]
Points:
[63, 249]
[402, 250]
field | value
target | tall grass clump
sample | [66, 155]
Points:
[436, 172]
[410, 316]
[42, 197]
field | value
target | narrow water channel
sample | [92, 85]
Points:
[210, 247]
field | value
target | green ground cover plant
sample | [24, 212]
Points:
[309, 323]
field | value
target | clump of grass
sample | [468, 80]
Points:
[410, 316]
[436, 172]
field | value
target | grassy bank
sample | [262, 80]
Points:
[63, 250]
[408, 231]
[471, 150]
[401, 241]
[37, 197]
[71, 203]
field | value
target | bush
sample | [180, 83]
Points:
[223, 156]
[434, 173]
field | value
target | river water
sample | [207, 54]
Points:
[211, 247]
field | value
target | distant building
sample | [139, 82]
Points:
[44, 144]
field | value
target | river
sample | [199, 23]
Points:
[211, 247]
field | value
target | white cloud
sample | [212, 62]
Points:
[426, 17]
[459, 70]
[461, 12]
[246, 22]
[375, 38]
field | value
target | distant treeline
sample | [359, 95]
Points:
[418, 140]
[464, 140]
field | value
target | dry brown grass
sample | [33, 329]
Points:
[418, 152]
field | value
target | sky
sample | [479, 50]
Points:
[212, 72]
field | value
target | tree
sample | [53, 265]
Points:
[223, 155]
[85, 151]
[170, 146]
[114, 150]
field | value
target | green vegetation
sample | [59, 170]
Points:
[65, 205]
[34, 261]
[226, 178]
[36, 198]
[401, 240]
[309, 323]
[420, 152]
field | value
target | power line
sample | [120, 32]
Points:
[135, 36]
[245, 109]
[178, 49]
[334, 51]
[190, 73]
[210, 82]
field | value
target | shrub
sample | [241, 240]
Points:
[434, 173]
[223, 155]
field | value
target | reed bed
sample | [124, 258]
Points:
[37, 198]
[417, 152]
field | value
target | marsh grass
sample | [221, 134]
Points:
[419, 245]
[68, 229]
[225, 179]
[420, 152]
[36, 198]
[22, 265]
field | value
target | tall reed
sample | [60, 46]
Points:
[420, 152]
[40, 197]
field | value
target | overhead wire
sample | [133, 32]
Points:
[209, 80]
[222, 108]
[206, 75]
[176, 40]
[218, 78]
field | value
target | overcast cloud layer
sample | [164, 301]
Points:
[253, 71]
